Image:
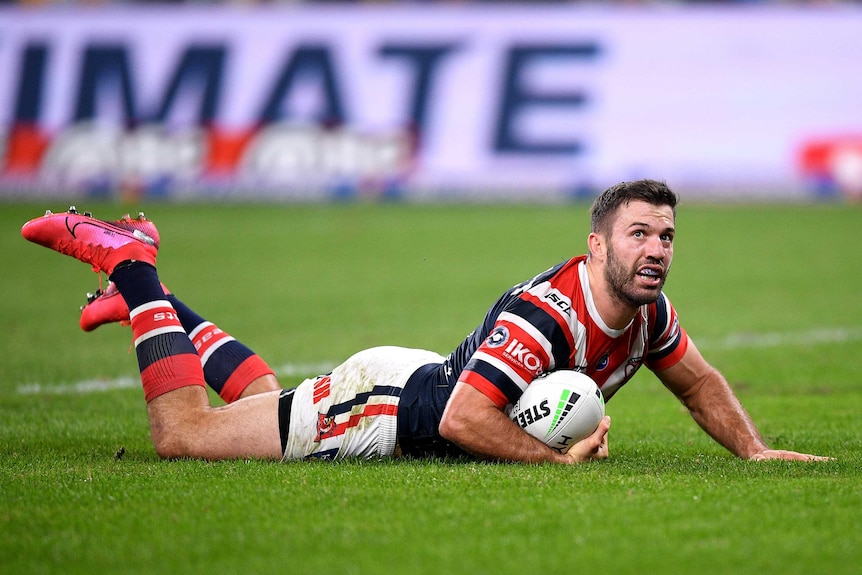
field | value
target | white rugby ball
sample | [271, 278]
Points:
[560, 408]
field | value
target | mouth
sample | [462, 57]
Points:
[651, 275]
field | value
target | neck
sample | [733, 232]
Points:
[615, 313]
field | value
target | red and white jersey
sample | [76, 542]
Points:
[550, 323]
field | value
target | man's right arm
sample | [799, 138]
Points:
[475, 423]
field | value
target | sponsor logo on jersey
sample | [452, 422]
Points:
[325, 427]
[559, 301]
[321, 389]
[522, 354]
[603, 361]
[498, 337]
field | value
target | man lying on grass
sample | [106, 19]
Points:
[602, 313]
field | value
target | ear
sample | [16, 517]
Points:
[597, 246]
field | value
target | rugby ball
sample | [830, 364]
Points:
[560, 408]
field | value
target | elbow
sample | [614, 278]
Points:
[469, 418]
[448, 429]
[453, 428]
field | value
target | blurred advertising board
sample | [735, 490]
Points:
[431, 102]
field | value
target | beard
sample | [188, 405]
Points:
[623, 282]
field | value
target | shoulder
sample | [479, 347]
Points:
[661, 312]
[668, 341]
[556, 294]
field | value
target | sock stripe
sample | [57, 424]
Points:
[166, 357]
[211, 349]
[165, 345]
[207, 339]
[158, 331]
[203, 325]
[246, 372]
[170, 373]
[149, 306]
[153, 319]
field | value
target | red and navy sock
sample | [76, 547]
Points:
[166, 357]
[229, 366]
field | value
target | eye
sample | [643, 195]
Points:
[638, 234]
[667, 238]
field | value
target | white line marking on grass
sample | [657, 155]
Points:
[816, 336]
[80, 387]
[99, 385]
[304, 369]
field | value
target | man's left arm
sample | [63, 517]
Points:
[714, 406]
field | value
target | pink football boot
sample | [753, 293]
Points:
[106, 306]
[100, 243]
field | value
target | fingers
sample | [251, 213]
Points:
[594, 446]
[601, 451]
[787, 456]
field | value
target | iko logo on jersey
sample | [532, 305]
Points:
[521, 354]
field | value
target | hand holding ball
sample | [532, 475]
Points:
[560, 408]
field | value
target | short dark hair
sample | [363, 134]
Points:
[649, 191]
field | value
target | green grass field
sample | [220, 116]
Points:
[769, 293]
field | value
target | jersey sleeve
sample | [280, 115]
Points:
[668, 341]
[528, 339]
[506, 362]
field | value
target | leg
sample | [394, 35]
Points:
[230, 368]
[261, 384]
[183, 424]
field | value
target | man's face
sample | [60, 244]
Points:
[639, 252]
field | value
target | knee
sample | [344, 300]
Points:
[261, 384]
[175, 423]
[170, 443]
[173, 439]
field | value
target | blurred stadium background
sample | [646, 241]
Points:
[428, 101]
[208, 107]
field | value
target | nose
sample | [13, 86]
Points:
[655, 248]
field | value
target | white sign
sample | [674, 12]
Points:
[428, 101]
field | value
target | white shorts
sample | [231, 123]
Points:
[353, 411]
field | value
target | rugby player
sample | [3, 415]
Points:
[603, 313]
